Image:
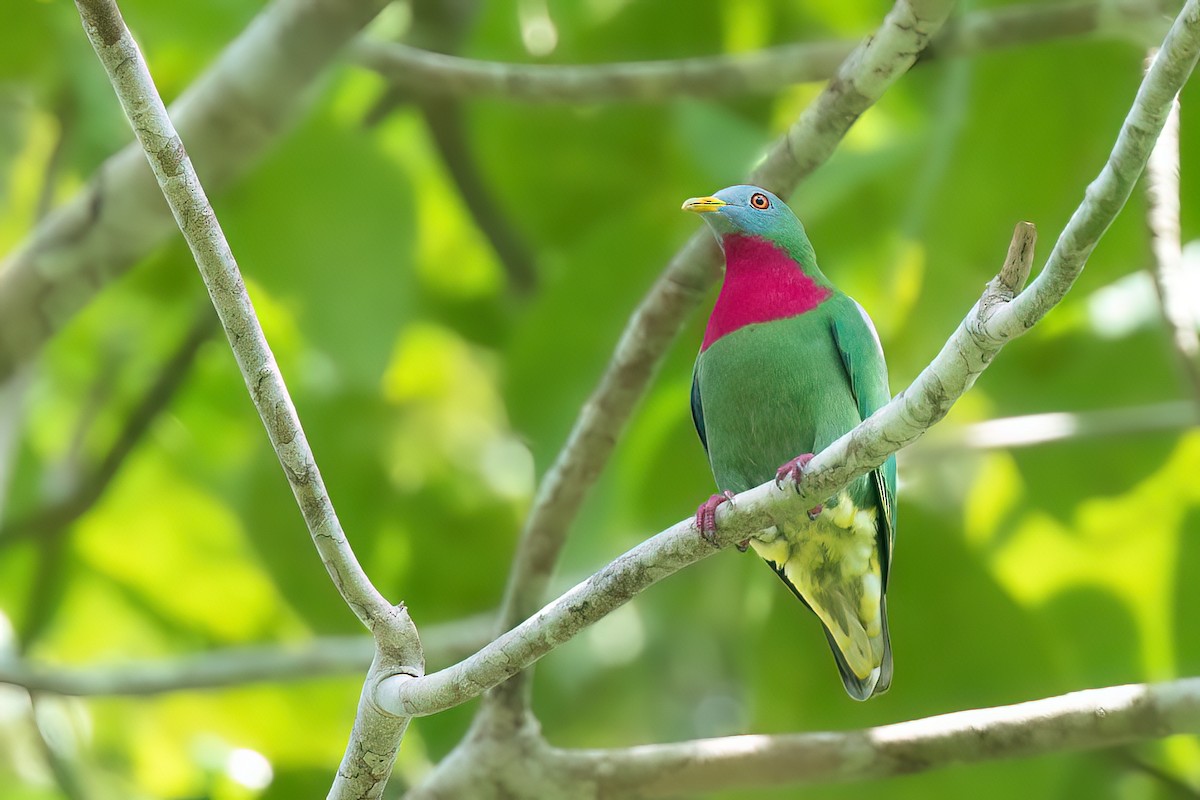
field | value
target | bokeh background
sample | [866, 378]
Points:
[435, 390]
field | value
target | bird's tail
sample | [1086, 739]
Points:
[872, 654]
[834, 569]
[879, 679]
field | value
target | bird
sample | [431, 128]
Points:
[788, 364]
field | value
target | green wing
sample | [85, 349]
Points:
[862, 357]
[697, 409]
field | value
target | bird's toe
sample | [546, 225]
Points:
[792, 470]
[706, 516]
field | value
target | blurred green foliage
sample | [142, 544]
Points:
[433, 396]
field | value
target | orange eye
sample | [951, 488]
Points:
[759, 200]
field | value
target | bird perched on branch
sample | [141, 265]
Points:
[788, 365]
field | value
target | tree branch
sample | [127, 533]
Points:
[1030, 430]
[1106, 195]
[1162, 215]
[55, 740]
[186, 197]
[13, 393]
[435, 74]
[86, 492]
[229, 667]
[56, 745]
[448, 130]
[230, 115]
[1174, 785]
[993, 322]
[1090, 719]
[238, 666]
[1141, 21]
[442, 27]
[1002, 313]
[429, 73]
[375, 739]
[678, 546]
[860, 81]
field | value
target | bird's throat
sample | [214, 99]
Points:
[763, 283]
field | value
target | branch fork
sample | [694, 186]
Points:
[395, 688]
[375, 739]
[1003, 312]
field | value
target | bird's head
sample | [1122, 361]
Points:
[750, 213]
[748, 210]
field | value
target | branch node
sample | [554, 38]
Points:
[1019, 260]
[388, 692]
[1007, 284]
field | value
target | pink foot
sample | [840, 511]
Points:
[794, 469]
[706, 516]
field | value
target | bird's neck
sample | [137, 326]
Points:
[763, 282]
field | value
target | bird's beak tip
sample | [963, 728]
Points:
[702, 205]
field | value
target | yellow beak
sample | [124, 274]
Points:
[703, 205]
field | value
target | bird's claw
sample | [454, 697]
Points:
[706, 516]
[794, 470]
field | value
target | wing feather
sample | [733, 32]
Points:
[697, 409]
[862, 358]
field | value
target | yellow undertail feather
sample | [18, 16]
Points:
[833, 565]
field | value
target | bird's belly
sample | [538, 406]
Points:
[767, 399]
[833, 563]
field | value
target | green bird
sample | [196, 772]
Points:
[788, 364]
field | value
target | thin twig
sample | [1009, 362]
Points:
[67, 771]
[375, 738]
[85, 493]
[1175, 786]
[1035, 23]
[68, 774]
[65, 473]
[433, 74]
[448, 130]
[1162, 216]
[441, 27]
[52, 526]
[238, 666]
[860, 81]
[1031, 430]
[13, 392]
[65, 114]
